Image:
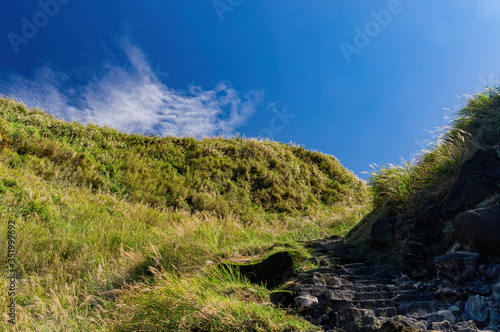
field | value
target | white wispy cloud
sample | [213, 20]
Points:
[131, 98]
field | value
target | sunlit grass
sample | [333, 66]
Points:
[403, 191]
[115, 231]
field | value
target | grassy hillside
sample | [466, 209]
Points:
[404, 191]
[246, 178]
[117, 232]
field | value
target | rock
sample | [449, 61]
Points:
[410, 296]
[460, 305]
[346, 315]
[476, 309]
[382, 275]
[479, 286]
[311, 281]
[448, 294]
[344, 298]
[363, 324]
[468, 326]
[314, 290]
[336, 295]
[282, 298]
[382, 231]
[494, 316]
[430, 215]
[420, 308]
[477, 180]
[481, 229]
[441, 326]
[304, 302]
[319, 310]
[496, 292]
[338, 306]
[403, 324]
[445, 315]
[490, 272]
[458, 267]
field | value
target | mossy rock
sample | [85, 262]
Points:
[270, 271]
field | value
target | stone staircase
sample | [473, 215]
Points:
[348, 292]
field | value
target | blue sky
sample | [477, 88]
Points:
[361, 80]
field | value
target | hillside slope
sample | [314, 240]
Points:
[118, 232]
[222, 175]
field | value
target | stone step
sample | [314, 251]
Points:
[373, 304]
[411, 298]
[353, 277]
[377, 295]
[354, 265]
[341, 317]
[383, 274]
[420, 308]
[313, 290]
[386, 312]
[365, 287]
[352, 259]
[374, 281]
[336, 281]
[336, 295]
[321, 271]
[358, 271]
[347, 286]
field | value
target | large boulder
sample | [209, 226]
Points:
[382, 231]
[476, 309]
[481, 229]
[477, 179]
[458, 267]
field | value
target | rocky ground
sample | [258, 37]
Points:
[349, 292]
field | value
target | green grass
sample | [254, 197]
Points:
[114, 231]
[217, 301]
[246, 178]
[403, 191]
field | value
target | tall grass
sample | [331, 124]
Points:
[403, 191]
[477, 125]
[215, 301]
[115, 231]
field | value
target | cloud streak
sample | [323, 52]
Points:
[132, 99]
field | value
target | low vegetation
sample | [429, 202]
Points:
[120, 232]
